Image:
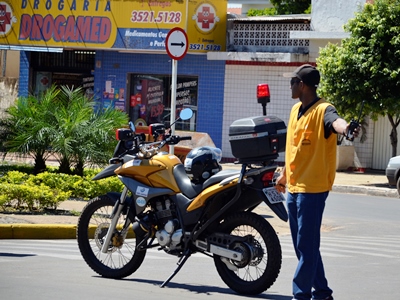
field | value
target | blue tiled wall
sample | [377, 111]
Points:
[210, 74]
[23, 74]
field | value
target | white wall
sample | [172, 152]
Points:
[240, 99]
[330, 16]
[382, 149]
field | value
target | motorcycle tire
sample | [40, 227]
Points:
[262, 256]
[121, 260]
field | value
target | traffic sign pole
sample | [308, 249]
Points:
[173, 100]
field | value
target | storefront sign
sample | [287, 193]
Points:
[115, 24]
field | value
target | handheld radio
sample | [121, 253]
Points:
[354, 124]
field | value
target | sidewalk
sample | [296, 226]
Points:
[63, 224]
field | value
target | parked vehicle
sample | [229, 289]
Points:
[393, 172]
[162, 207]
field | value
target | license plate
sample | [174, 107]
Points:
[273, 195]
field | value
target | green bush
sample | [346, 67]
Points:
[15, 177]
[24, 191]
[32, 198]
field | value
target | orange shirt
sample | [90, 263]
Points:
[310, 158]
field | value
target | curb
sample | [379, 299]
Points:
[363, 190]
[37, 231]
[68, 231]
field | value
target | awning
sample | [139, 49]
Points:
[30, 48]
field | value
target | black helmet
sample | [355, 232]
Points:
[203, 162]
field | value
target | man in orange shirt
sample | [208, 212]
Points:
[309, 173]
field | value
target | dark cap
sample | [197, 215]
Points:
[306, 73]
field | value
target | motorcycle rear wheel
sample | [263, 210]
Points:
[261, 264]
[122, 258]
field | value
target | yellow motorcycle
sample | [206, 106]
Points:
[162, 206]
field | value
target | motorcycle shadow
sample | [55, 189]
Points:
[206, 290]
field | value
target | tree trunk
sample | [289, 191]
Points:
[65, 166]
[40, 164]
[79, 168]
[393, 134]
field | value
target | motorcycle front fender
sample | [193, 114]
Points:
[114, 196]
[278, 208]
[107, 172]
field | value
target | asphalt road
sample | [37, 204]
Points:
[360, 249]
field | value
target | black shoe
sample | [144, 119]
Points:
[327, 298]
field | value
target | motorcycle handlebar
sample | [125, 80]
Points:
[151, 149]
[175, 139]
[183, 138]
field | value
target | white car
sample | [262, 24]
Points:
[393, 172]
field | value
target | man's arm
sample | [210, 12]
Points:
[336, 124]
[342, 127]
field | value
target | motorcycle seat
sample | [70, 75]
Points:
[221, 175]
[191, 190]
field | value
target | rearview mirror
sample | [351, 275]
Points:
[132, 126]
[186, 114]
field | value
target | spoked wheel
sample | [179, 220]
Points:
[262, 255]
[122, 258]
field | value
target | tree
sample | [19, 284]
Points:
[366, 67]
[61, 121]
[80, 135]
[261, 12]
[287, 7]
[26, 129]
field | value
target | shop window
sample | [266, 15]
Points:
[150, 99]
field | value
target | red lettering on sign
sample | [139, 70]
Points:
[59, 28]
[70, 30]
[79, 30]
[95, 28]
[37, 28]
[48, 27]
[84, 25]
[156, 110]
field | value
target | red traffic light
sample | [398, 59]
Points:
[263, 95]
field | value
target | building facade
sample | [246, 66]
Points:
[219, 85]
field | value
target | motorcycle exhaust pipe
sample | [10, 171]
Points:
[139, 229]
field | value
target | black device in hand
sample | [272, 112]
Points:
[353, 125]
[350, 133]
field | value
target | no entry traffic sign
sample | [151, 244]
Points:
[177, 43]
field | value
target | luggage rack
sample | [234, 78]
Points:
[261, 160]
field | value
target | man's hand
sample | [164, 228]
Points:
[280, 183]
[342, 127]
[352, 130]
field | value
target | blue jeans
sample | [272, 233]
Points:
[305, 218]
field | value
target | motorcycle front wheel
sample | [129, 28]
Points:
[262, 255]
[122, 258]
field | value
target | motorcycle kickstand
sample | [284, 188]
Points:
[180, 264]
